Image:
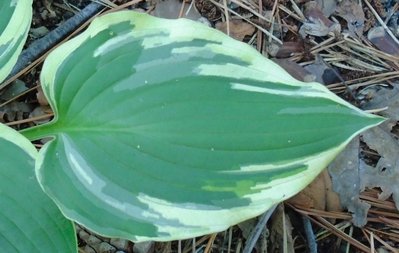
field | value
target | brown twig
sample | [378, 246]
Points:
[210, 243]
[22, 121]
[327, 225]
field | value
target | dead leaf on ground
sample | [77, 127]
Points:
[381, 40]
[171, 9]
[385, 174]
[144, 247]
[14, 89]
[40, 111]
[38, 32]
[317, 24]
[352, 12]
[48, 5]
[318, 195]
[15, 111]
[288, 48]
[384, 97]
[322, 71]
[344, 171]
[280, 227]
[41, 98]
[328, 7]
[247, 226]
[238, 28]
[352, 175]
[296, 70]
[208, 9]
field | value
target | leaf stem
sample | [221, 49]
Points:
[39, 132]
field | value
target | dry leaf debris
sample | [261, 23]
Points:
[316, 23]
[385, 174]
[352, 12]
[318, 195]
[344, 171]
[381, 40]
[239, 29]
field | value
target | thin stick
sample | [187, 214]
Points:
[285, 239]
[198, 242]
[252, 23]
[45, 116]
[290, 13]
[259, 15]
[183, 5]
[327, 225]
[255, 233]
[372, 242]
[275, 6]
[384, 243]
[388, 75]
[230, 239]
[19, 95]
[310, 237]
[210, 243]
[40, 46]
[382, 23]
[226, 13]
[259, 33]
[348, 245]
[297, 10]
[106, 3]
[29, 66]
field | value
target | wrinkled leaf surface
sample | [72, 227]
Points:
[168, 129]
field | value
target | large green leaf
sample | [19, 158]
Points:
[15, 18]
[168, 129]
[29, 220]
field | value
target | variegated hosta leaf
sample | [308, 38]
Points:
[168, 129]
[15, 18]
[29, 220]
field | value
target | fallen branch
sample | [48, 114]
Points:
[42, 45]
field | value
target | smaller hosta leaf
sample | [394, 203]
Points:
[29, 220]
[167, 129]
[16, 16]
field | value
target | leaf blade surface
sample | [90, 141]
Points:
[29, 220]
[168, 129]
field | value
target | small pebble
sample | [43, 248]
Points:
[92, 240]
[106, 248]
[83, 235]
[120, 243]
[88, 249]
[143, 247]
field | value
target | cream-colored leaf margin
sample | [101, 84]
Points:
[145, 25]
[9, 134]
[15, 32]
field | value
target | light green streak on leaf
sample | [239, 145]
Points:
[6, 10]
[168, 130]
